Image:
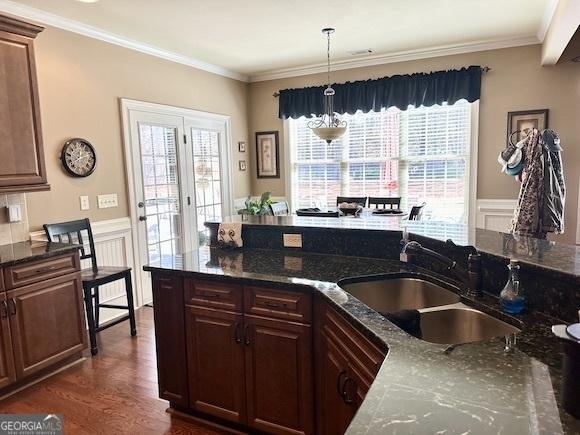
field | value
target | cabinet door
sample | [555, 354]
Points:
[334, 413]
[22, 164]
[7, 371]
[215, 357]
[279, 376]
[170, 338]
[47, 323]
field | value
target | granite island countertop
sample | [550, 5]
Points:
[22, 252]
[545, 254]
[476, 388]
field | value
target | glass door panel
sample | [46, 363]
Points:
[205, 147]
[161, 191]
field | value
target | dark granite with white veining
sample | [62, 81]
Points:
[548, 271]
[477, 388]
[29, 251]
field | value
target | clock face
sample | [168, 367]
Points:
[78, 157]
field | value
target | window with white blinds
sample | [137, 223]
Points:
[421, 155]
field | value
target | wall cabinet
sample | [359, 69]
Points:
[41, 324]
[22, 165]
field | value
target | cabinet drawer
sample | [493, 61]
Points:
[365, 357]
[37, 271]
[213, 294]
[280, 304]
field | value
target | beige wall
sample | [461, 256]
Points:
[80, 83]
[516, 82]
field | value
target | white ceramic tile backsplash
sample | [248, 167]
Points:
[18, 231]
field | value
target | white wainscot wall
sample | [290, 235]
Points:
[495, 214]
[113, 246]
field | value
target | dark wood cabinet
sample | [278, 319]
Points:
[170, 338]
[216, 363]
[46, 323]
[347, 363]
[7, 370]
[22, 165]
[279, 380]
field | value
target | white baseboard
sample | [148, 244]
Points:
[113, 246]
[495, 214]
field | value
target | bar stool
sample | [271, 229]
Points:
[93, 277]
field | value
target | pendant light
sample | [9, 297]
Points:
[329, 126]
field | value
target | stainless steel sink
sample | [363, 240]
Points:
[391, 295]
[461, 325]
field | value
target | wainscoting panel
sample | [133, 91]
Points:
[113, 246]
[495, 214]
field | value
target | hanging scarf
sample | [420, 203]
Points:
[527, 219]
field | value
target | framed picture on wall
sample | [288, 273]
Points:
[525, 120]
[267, 154]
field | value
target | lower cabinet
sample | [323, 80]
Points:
[254, 359]
[346, 365]
[215, 353]
[7, 370]
[279, 382]
[252, 370]
[47, 323]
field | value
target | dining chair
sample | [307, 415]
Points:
[280, 208]
[74, 232]
[360, 200]
[416, 212]
[394, 202]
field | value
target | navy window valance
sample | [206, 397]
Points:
[402, 91]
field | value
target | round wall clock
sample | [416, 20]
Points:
[78, 157]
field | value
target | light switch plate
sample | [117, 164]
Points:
[107, 201]
[292, 240]
[84, 200]
[14, 213]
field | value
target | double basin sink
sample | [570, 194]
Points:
[443, 318]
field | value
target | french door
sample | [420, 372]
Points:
[179, 178]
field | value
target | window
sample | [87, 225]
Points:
[421, 154]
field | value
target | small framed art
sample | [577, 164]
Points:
[267, 154]
[524, 120]
[242, 165]
[242, 147]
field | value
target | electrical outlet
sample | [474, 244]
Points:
[292, 240]
[85, 205]
[108, 200]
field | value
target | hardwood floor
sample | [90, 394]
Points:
[114, 392]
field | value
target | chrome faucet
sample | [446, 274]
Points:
[470, 278]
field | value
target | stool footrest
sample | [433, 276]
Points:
[116, 307]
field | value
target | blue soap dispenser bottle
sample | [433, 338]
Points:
[512, 296]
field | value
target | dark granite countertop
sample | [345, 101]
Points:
[541, 253]
[30, 251]
[477, 388]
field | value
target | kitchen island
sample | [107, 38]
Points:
[419, 387]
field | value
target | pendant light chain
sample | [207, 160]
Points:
[329, 126]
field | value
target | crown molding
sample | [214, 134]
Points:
[402, 56]
[49, 19]
[549, 12]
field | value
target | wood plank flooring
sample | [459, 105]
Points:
[114, 392]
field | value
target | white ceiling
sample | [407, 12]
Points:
[255, 36]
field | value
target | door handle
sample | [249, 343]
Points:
[339, 382]
[141, 204]
[4, 310]
[344, 394]
[11, 306]
[142, 218]
[237, 337]
[247, 335]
